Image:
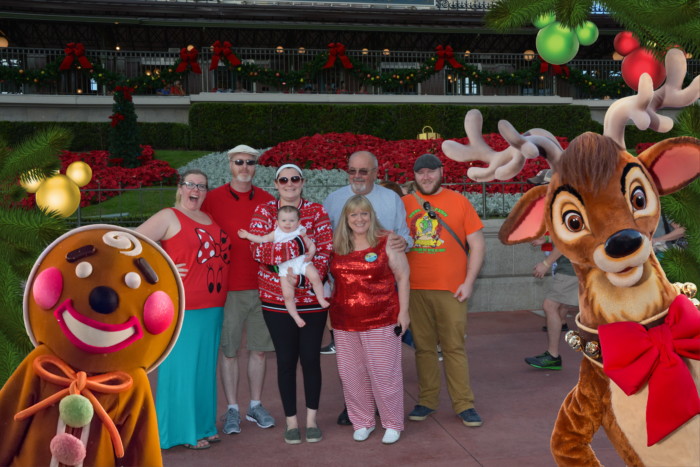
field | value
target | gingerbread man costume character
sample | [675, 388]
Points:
[103, 306]
[640, 375]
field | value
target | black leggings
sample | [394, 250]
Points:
[294, 344]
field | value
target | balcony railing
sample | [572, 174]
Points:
[156, 70]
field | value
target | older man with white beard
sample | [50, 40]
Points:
[232, 206]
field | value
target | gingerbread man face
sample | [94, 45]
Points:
[104, 298]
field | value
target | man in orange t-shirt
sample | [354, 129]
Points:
[444, 225]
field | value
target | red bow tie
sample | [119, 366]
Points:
[635, 356]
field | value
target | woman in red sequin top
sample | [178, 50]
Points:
[369, 314]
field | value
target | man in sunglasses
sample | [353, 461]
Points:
[362, 177]
[232, 206]
[446, 257]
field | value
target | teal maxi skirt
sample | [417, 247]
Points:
[186, 389]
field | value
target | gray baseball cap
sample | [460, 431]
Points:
[427, 161]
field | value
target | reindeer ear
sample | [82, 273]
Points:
[526, 221]
[673, 163]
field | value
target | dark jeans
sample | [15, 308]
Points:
[292, 345]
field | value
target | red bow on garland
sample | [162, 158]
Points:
[188, 58]
[634, 355]
[555, 69]
[127, 91]
[337, 50]
[224, 50]
[116, 118]
[74, 50]
[446, 53]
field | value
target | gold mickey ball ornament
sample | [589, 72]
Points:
[31, 182]
[80, 172]
[59, 193]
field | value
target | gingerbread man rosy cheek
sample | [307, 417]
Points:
[103, 306]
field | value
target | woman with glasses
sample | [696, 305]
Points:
[186, 390]
[293, 344]
[369, 316]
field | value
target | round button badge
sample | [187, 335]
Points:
[371, 257]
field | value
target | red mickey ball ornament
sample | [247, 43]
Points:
[637, 61]
[625, 42]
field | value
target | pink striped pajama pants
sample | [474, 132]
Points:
[369, 364]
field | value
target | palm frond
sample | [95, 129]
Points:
[573, 13]
[27, 230]
[36, 156]
[11, 355]
[680, 266]
[505, 15]
[688, 121]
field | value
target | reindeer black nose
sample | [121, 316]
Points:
[623, 243]
[104, 300]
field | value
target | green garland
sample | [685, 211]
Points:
[387, 81]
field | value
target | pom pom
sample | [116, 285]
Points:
[75, 410]
[67, 449]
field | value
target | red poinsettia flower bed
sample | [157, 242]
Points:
[396, 158]
[106, 175]
[641, 147]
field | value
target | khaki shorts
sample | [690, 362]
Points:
[563, 289]
[243, 308]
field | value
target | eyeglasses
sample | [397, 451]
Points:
[429, 210]
[294, 179]
[192, 186]
[243, 161]
[362, 172]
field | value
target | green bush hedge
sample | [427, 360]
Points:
[219, 126]
[89, 136]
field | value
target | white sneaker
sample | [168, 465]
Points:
[391, 436]
[362, 434]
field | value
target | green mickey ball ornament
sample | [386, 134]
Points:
[557, 44]
[587, 33]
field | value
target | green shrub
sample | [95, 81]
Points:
[90, 136]
[219, 126]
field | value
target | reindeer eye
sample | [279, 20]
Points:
[573, 221]
[638, 199]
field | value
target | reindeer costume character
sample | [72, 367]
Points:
[640, 377]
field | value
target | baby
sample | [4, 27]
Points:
[288, 228]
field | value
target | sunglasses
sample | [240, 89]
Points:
[243, 161]
[294, 179]
[429, 210]
[363, 172]
[192, 186]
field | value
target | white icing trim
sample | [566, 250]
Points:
[123, 241]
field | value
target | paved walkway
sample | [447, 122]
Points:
[519, 405]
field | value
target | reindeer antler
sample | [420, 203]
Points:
[506, 164]
[642, 108]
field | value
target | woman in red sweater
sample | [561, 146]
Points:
[292, 343]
